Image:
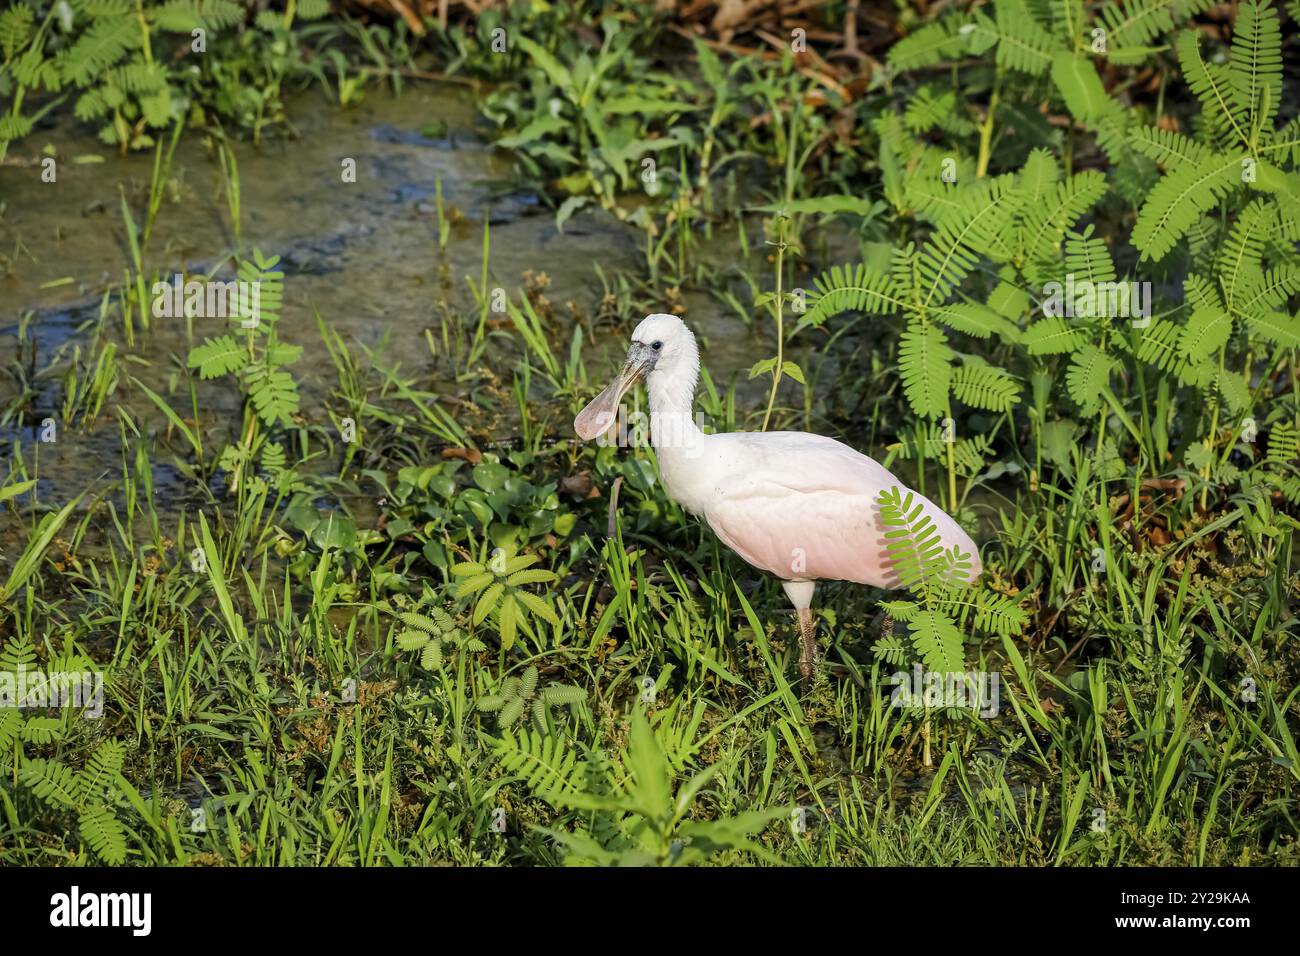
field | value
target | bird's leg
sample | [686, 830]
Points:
[800, 594]
[851, 31]
[808, 638]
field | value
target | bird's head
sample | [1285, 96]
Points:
[662, 347]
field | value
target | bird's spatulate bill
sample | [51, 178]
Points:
[601, 413]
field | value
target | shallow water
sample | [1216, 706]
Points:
[364, 253]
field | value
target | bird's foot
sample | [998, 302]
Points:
[808, 641]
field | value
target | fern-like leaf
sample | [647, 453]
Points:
[105, 42]
[15, 28]
[1179, 198]
[926, 46]
[938, 642]
[857, 289]
[218, 357]
[1053, 335]
[925, 365]
[984, 386]
[1088, 375]
[51, 781]
[1213, 86]
[1256, 63]
[274, 394]
[103, 833]
[1077, 81]
[545, 763]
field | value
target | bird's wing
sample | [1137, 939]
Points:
[804, 507]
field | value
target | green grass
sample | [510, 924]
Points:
[270, 694]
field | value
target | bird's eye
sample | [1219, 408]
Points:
[656, 345]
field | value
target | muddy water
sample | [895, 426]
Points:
[365, 254]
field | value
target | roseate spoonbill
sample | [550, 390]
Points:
[800, 506]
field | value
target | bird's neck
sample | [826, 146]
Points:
[672, 395]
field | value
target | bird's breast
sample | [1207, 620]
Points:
[692, 477]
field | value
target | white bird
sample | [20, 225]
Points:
[800, 506]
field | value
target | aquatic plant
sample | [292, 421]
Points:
[120, 59]
[257, 363]
[1238, 274]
